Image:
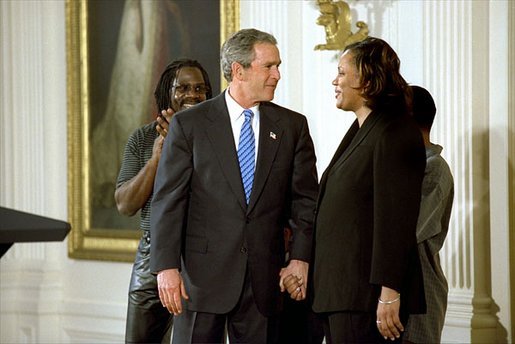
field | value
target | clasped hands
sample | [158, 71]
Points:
[293, 279]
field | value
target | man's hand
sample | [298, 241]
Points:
[171, 289]
[298, 269]
[157, 149]
[163, 121]
[162, 128]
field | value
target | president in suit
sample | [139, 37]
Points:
[234, 171]
[367, 274]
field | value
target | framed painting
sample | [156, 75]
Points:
[116, 51]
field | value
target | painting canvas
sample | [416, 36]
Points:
[117, 50]
[128, 52]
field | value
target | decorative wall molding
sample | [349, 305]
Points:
[455, 71]
[502, 162]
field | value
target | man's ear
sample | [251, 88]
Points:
[237, 71]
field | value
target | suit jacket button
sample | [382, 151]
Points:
[243, 249]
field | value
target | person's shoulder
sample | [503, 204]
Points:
[145, 131]
[396, 124]
[436, 164]
[280, 112]
[149, 128]
[273, 107]
[437, 174]
[399, 132]
[397, 119]
[386, 123]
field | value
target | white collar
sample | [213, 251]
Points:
[235, 109]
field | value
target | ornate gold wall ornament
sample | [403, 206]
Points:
[336, 18]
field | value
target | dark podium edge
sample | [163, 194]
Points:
[18, 226]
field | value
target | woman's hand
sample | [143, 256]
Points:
[388, 321]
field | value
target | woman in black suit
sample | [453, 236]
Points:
[367, 275]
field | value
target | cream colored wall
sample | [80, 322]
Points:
[460, 50]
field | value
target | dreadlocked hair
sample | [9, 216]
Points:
[162, 92]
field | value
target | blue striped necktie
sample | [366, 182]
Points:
[246, 152]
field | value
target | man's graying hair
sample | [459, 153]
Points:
[240, 48]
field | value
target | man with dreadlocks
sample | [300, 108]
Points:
[183, 84]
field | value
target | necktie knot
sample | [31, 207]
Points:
[248, 114]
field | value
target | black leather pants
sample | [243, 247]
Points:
[147, 320]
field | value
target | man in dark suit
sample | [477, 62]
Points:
[367, 274]
[228, 182]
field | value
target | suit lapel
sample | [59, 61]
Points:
[355, 135]
[341, 148]
[270, 135]
[220, 134]
[339, 151]
[358, 138]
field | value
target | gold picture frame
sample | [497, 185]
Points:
[86, 240]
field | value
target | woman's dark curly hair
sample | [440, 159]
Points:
[379, 68]
[162, 92]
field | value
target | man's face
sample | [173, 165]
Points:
[262, 76]
[188, 89]
[348, 88]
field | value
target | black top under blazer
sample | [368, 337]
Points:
[200, 221]
[365, 227]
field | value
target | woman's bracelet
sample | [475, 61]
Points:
[389, 302]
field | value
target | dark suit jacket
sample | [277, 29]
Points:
[366, 218]
[199, 215]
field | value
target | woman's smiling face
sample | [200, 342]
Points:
[348, 88]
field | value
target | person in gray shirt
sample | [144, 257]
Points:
[432, 227]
